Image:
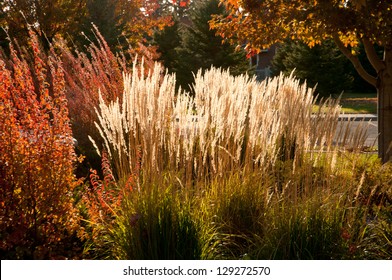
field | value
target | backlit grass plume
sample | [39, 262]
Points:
[231, 123]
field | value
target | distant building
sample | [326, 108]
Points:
[262, 62]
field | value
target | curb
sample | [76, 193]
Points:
[353, 117]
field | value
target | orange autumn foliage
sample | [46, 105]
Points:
[37, 157]
[104, 199]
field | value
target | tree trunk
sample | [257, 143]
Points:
[384, 108]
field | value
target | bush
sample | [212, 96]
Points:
[37, 158]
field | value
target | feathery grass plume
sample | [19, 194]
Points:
[97, 69]
[234, 124]
[143, 117]
[221, 110]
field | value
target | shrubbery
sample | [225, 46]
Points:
[37, 159]
[240, 170]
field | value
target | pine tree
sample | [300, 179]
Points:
[168, 40]
[103, 14]
[323, 65]
[202, 48]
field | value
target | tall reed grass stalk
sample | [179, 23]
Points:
[232, 123]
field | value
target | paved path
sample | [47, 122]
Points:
[372, 130]
[359, 117]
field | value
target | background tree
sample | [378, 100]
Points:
[323, 65]
[167, 42]
[105, 16]
[175, 8]
[129, 21]
[200, 47]
[51, 18]
[347, 22]
[124, 22]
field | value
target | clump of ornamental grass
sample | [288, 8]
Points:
[232, 214]
[139, 220]
[236, 124]
[257, 161]
[338, 218]
[335, 217]
[307, 229]
[373, 194]
[158, 224]
[245, 217]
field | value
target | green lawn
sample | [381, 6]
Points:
[357, 103]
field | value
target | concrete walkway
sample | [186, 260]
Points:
[358, 117]
[371, 119]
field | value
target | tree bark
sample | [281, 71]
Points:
[383, 84]
[355, 61]
[384, 108]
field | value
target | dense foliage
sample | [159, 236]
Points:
[239, 169]
[323, 65]
[37, 158]
[121, 22]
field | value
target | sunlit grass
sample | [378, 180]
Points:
[360, 109]
[242, 170]
[356, 103]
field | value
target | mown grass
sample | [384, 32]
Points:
[356, 103]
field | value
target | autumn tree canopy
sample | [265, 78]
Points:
[50, 17]
[260, 23]
[124, 22]
[130, 20]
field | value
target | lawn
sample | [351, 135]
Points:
[357, 103]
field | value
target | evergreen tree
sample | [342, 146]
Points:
[190, 44]
[103, 14]
[323, 65]
[168, 40]
[200, 47]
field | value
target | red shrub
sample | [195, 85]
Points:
[36, 157]
[96, 70]
[104, 199]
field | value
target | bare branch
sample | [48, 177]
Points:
[355, 61]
